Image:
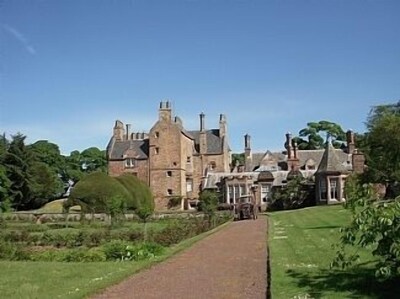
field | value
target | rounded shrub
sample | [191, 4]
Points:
[96, 192]
[140, 196]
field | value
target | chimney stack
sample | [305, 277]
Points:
[247, 145]
[351, 145]
[248, 159]
[222, 125]
[289, 145]
[202, 122]
[128, 128]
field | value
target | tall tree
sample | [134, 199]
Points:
[45, 184]
[383, 143]
[18, 160]
[315, 134]
[5, 183]
[48, 153]
[93, 159]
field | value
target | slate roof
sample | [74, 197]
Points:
[258, 157]
[316, 155]
[214, 141]
[118, 149]
[332, 162]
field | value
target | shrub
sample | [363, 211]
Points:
[70, 255]
[298, 193]
[124, 251]
[94, 193]
[11, 251]
[174, 202]
[67, 237]
[141, 198]
[115, 250]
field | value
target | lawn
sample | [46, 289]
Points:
[73, 280]
[301, 251]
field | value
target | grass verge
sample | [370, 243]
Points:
[301, 250]
[74, 280]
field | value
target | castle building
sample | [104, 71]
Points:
[325, 169]
[174, 162]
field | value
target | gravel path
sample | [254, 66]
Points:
[228, 264]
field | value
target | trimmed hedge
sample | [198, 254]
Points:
[140, 193]
[100, 193]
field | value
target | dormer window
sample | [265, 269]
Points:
[130, 163]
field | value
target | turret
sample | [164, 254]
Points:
[119, 131]
[165, 111]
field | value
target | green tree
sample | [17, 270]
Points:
[18, 160]
[238, 159]
[93, 159]
[5, 183]
[315, 134]
[48, 153]
[375, 225]
[45, 184]
[296, 194]
[209, 204]
[382, 144]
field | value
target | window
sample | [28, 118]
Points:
[130, 163]
[189, 185]
[237, 192]
[334, 193]
[230, 194]
[243, 190]
[322, 186]
[265, 192]
[169, 192]
[157, 150]
[157, 134]
[169, 173]
[188, 159]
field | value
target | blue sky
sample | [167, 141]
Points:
[69, 69]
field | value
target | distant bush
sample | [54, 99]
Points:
[11, 251]
[95, 192]
[100, 193]
[69, 255]
[298, 193]
[124, 251]
[140, 194]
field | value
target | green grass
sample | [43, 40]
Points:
[73, 280]
[56, 206]
[301, 251]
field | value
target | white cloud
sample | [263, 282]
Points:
[20, 37]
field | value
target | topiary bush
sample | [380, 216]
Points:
[141, 197]
[95, 193]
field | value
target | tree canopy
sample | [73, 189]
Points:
[316, 133]
[32, 175]
[382, 144]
